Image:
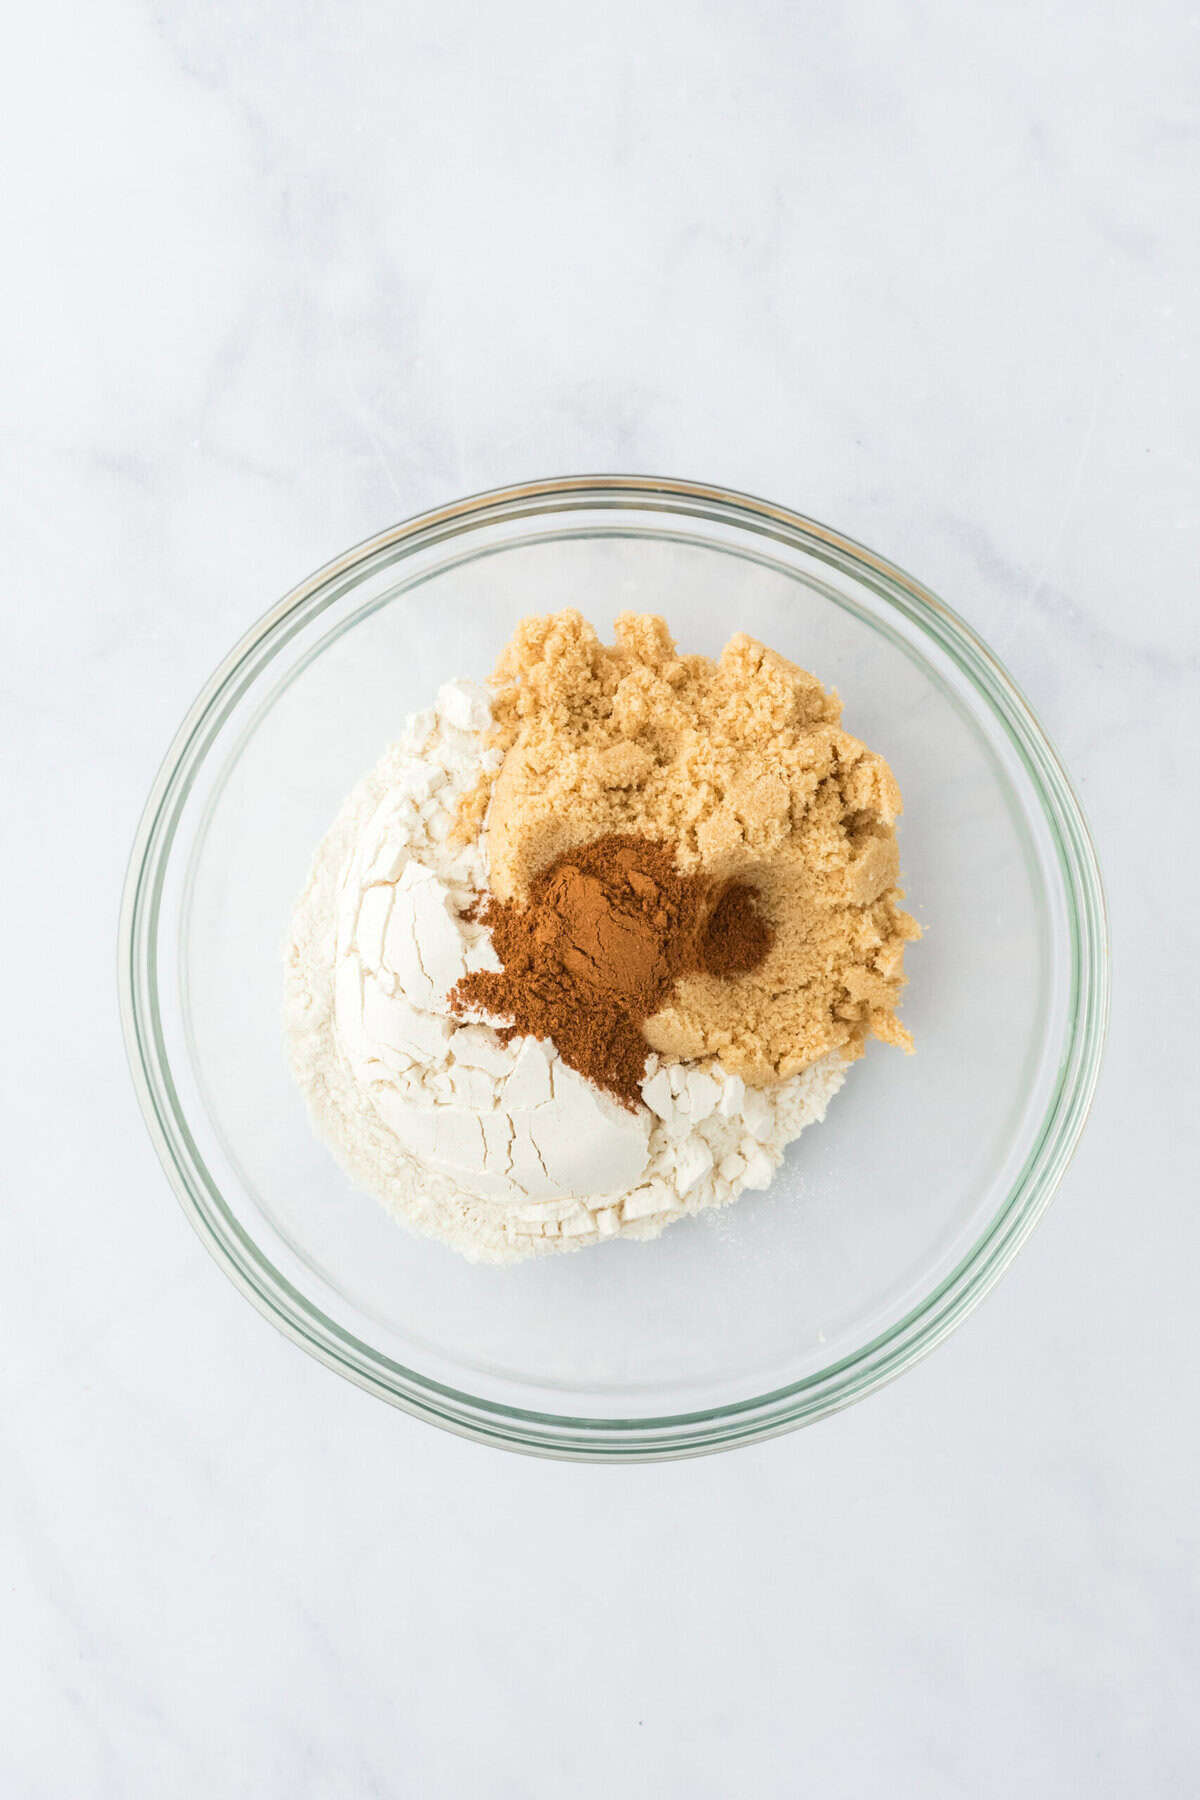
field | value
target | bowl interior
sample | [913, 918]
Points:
[874, 1209]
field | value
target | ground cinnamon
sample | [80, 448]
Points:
[607, 930]
[737, 937]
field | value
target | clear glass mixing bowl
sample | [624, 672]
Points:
[887, 1223]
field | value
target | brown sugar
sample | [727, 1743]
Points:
[741, 766]
[597, 948]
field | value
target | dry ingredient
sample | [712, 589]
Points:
[740, 764]
[703, 1138]
[607, 931]
[485, 1002]
[401, 1093]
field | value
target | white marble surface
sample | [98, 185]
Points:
[281, 275]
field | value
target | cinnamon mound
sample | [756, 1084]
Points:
[607, 931]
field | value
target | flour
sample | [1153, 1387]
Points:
[500, 1150]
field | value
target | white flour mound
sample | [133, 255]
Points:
[501, 1151]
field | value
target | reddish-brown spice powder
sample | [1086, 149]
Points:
[607, 931]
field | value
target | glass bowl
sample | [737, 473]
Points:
[886, 1224]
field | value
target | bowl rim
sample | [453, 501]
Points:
[742, 1421]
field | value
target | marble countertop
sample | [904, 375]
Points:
[284, 275]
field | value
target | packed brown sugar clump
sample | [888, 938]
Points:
[742, 767]
[597, 947]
